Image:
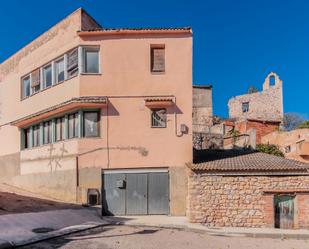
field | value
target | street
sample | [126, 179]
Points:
[128, 237]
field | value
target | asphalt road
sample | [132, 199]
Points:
[127, 237]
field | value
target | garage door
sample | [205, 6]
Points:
[135, 193]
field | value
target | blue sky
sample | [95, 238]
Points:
[236, 42]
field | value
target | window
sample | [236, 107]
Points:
[91, 124]
[158, 118]
[73, 125]
[245, 107]
[157, 59]
[72, 62]
[59, 70]
[60, 129]
[36, 135]
[272, 80]
[26, 87]
[47, 76]
[91, 60]
[27, 138]
[47, 134]
[287, 149]
[35, 81]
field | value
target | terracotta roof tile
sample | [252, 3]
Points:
[232, 160]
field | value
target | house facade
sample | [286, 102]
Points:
[99, 115]
[294, 144]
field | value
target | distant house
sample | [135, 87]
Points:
[233, 188]
[100, 115]
[294, 144]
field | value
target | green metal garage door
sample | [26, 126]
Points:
[135, 192]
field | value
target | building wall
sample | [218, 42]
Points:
[265, 105]
[243, 201]
[202, 109]
[297, 140]
[126, 138]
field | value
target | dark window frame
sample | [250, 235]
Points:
[153, 112]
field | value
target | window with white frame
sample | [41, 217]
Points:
[35, 81]
[26, 86]
[59, 70]
[47, 76]
[158, 118]
[91, 60]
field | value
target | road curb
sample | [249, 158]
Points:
[219, 233]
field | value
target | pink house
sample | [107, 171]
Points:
[99, 115]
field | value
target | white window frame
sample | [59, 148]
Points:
[44, 81]
[82, 59]
[62, 58]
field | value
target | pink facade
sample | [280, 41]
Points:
[66, 169]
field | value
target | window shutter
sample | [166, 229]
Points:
[72, 63]
[35, 78]
[72, 59]
[158, 59]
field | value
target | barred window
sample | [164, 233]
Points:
[158, 118]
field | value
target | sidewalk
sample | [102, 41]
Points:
[17, 229]
[182, 223]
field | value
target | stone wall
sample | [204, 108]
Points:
[243, 201]
[264, 105]
[202, 108]
[204, 141]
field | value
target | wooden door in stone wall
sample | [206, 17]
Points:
[284, 211]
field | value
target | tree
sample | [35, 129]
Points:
[292, 120]
[252, 89]
[304, 125]
[271, 149]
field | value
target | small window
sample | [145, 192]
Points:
[60, 129]
[287, 149]
[26, 87]
[158, 118]
[59, 70]
[72, 62]
[91, 124]
[35, 81]
[47, 137]
[272, 80]
[73, 125]
[245, 107]
[91, 60]
[157, 59]
[36, 135]
[47, 76]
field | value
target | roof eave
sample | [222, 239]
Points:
[134, 32]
